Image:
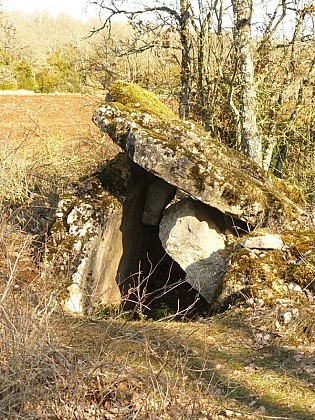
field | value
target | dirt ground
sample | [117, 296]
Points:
[46, 115]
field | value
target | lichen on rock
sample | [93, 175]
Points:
[183, 155]
[113, 223]
[283, 276]
[85, 243]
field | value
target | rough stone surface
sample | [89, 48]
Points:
[98, 247]
[185, 156]
[85, 248]
[193, 239]
[108, 231]
[267, 241]
[160, 193]
[270, 277]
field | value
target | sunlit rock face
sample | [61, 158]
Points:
[85, 248]
[193, 239]
[183, 155]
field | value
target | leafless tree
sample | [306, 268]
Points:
[161, 15]
[7, 30]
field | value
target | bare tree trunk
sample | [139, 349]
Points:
[251, 140]
[185, 60]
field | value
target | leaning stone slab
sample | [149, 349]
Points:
[183, 155]
[85, 248]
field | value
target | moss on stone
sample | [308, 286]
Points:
[303, 275]
[267, 274]
[302, 247]
[293, 192]
[114, 176]
[300, 242]
[137, 98]
[137, 118]
[258, 275]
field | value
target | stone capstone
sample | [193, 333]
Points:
[185, 156]
[192, 238]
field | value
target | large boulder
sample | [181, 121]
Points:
[183, 155]
[193, 239]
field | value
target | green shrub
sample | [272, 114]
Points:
[7, 78]
[46, 81]
[23, 73]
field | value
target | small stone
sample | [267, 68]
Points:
[262, 409]
[287, 317]
[295, 287]
[263, 242]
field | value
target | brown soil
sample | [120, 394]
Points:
[46, 115]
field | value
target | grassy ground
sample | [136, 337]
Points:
[223, 367]
[233, 365]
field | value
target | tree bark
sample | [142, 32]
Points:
[251, 141]
[185, 60]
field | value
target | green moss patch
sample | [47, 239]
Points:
[302, 245]
[133, 96]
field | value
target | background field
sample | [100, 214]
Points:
[66, 114]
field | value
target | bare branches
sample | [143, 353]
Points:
[112, 11]
[273, 24]
[7, 30]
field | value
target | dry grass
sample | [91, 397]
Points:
[52, 366]
[68, 368]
